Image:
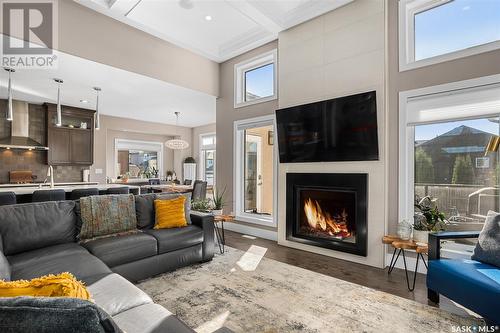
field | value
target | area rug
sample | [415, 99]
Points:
[248, 293]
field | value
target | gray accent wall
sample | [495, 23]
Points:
[227, 115]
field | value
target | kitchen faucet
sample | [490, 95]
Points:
[50, 173]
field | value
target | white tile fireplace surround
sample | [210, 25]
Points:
[376, 210]
[338, 54]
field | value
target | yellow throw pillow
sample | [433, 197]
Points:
[170, 213]
[61, 285]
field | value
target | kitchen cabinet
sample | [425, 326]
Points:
[71, 143]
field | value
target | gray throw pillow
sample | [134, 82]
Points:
[488, 246]
[187, 205]
[53, 314]
[145, 210]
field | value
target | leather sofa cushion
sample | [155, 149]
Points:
[117, 250]
[150, 318]
[471, 283]
[29, 257]
[82, 265]
[114, 294]
[176, 238]
[36, 225]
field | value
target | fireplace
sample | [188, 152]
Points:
[327, 210]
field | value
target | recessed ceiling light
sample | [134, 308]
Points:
[84, 101]
[208, 18]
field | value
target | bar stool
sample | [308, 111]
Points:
[118, 190]
[7, 198]
[48, 195]
[135, 190]
[83, 192]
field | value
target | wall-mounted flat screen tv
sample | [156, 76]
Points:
[339, 129]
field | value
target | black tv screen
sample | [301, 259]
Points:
[340, 129]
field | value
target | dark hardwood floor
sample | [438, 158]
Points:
[367, 276]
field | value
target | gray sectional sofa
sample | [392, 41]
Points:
[41, 238]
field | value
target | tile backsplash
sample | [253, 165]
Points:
[35, 161]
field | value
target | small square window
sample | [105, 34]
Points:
[255, 80]
[259, 82]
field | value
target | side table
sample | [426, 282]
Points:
[402, 245]
[219, 231]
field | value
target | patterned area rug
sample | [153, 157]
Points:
[248, 293]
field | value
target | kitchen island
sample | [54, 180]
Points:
[23, 191]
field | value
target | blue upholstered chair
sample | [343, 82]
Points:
[471, 283]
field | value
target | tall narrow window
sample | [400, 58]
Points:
[207, 158]
[255, 164]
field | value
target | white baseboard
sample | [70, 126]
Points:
[257, 232]
[410, 262]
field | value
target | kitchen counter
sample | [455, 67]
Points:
[38, 184]
[21, 190]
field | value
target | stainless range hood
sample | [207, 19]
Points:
[19, 138]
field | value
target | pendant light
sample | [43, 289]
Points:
[9, 98]
[97, 119]
[177, 144]
[59, 111]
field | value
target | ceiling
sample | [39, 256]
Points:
[236, 26]
[124, 94]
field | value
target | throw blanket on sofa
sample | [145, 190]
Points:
[107, 214]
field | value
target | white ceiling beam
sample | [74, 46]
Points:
[254, 14]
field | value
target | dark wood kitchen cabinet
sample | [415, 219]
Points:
[71, 143]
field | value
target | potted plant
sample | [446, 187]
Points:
[125, 177]
[218, 201]
[427, 219]
[201, 205]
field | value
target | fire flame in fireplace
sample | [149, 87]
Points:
[323, 221]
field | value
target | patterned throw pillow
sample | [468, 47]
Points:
[61, 285]
[170, 213]
[488, 246]
[106, 215]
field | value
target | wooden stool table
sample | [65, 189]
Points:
[219, 232]
[402, 245]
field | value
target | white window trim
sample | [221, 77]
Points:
[139, 145]
[241, 68]
[407, 10]
[407, 130]
[239, 171]
[202, 156]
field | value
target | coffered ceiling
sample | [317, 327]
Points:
[216, 29]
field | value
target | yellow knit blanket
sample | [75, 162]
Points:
[61, 285]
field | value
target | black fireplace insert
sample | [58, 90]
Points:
[328, 210]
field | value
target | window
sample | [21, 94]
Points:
[482, 162]
[255, 171]
[138, 159]
[255, 80]
[207, 158]
[444, 132]
[433, 31]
